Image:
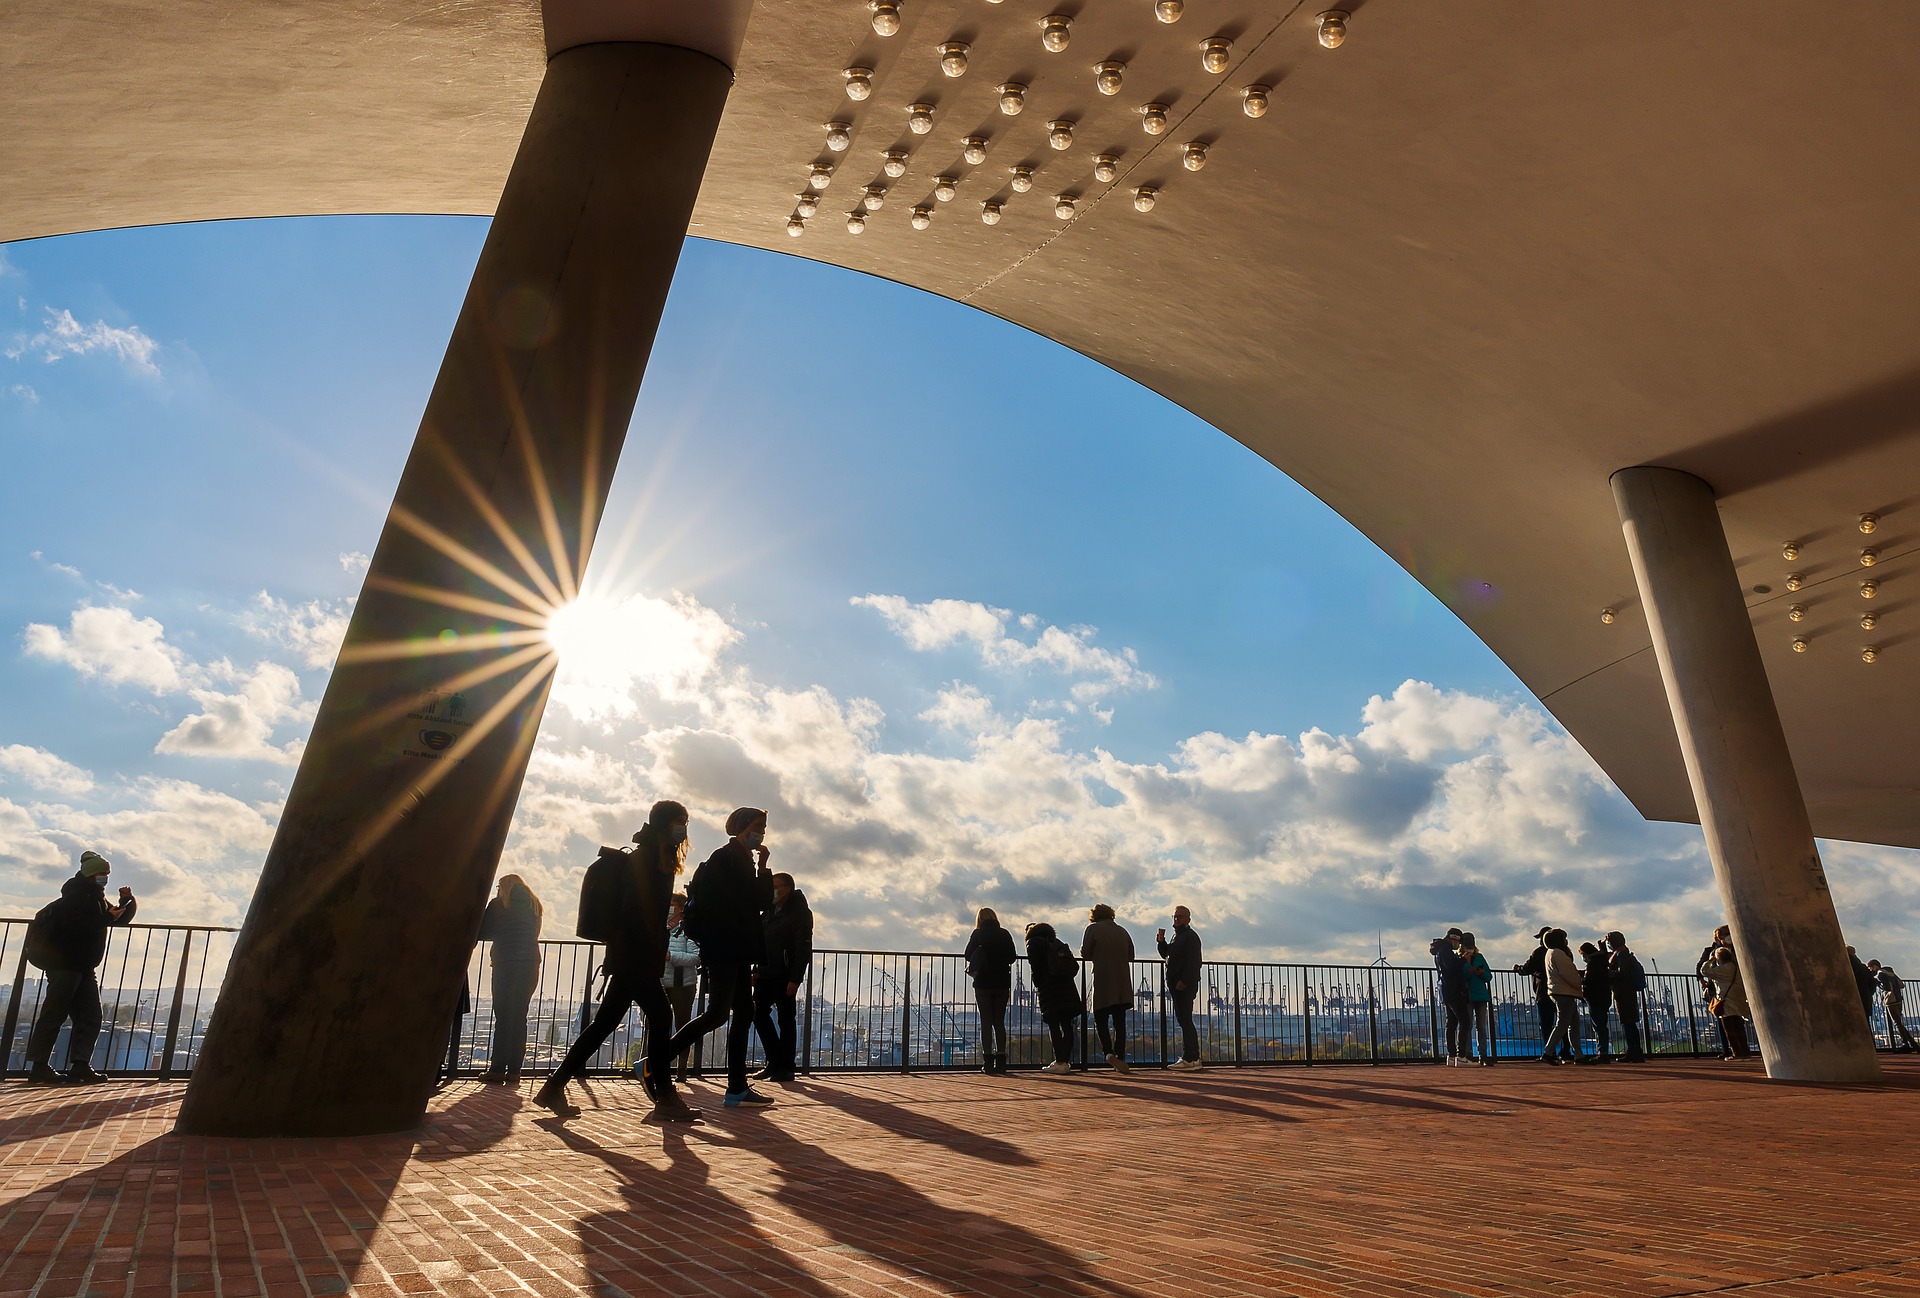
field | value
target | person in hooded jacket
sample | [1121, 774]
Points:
[69, 940]
[512, 924]
[1596, 988]
[1108, 948]
[725, 899]
[1563, 984]
[633, 962]
[990, 959]
[1056, 980]
[1452, 969]
[788, 927]
[1628, 978]
[1479, 999]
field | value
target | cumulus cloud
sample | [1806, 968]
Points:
[312, 631]
[240, 723]
[61, 336]
[112, 645]
[943, 623]
[24, 393]
[354, 563]
[615, 653]
[42, 770]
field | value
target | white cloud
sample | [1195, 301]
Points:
[942, 623]
[42, 770]
[312, 631]
[24, 393]
[114, 645]
[354, 563]
[240, 724]
[62, 336]
[615, 650]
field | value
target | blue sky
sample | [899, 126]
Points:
[870, 506]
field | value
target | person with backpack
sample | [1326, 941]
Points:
[67, 940]
[1452, 971]
[1563, 984]
[1056, 980]
[1479, 978]
[1596, 988]
[623, 903]
[512, 925]
[1108, 948]
[990, 959]
[725, 900]
[1183, 957]
[1893, 996]
[788, 928]
[1628, 978]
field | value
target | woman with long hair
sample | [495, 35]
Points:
[1056, 980]
[512, 925]
[1108, 949]
[990, 961]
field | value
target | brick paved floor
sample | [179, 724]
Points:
[1668, 1179]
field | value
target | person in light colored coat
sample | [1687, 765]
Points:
[1730, 992]
[1109, 949]
[1563, 984]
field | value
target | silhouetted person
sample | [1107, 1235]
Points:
[990, 960]
[1056, 981]
[681, 978]
[1108, 949]
[68, 940]
[725, 900]
[1729, 1003]
[1863, 982]
[1629, 979]
[1893, 997]
[1453, 992]
[1535, 967]
[1596, 988]
[788, 928]
[640, 881]
[512, 925]
[1563, 984]
[1709, 955]
[1183, 959]
[1479, 980]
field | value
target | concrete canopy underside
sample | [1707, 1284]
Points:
[1467, 266]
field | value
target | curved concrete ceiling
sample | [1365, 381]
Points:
[1466, 266]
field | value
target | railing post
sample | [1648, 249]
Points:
[906, 1015]
[1373, 1021]
[1433, 1016]
[806, 1019]
[1163, 1018]
[13, 1008]
[586, 995]
[1238, 1057]
[1086, 1016]
[1693, 1028]
[173, 1015]
[1306, 1011]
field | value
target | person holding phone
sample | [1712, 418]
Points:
[725, 900]
[68, 940]
[1182, 955]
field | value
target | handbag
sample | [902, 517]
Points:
[1715, 1005]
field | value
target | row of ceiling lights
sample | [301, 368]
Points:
[1215, 56]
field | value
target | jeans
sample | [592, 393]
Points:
[1733, 1036]
[1111, 1023]
[1566, 1025]
[1183, 1015]
[513, 986]
[1548, 1017]
[71, 994]
[1627, 1006]
[1601, 1032]
[729, 1001]
[1459, 1028]
[1061, 1030]
[993, 1018]
[681, 999]
[1897, 1021]
[1480, 1023]
[780, 1045]
[626, 988]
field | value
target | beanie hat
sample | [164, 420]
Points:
[742, 817]
[92, 864]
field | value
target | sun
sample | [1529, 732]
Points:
[609, 646]
[585, 636]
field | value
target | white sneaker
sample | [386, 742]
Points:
[1184, 1066]
[1058, 1066]
[1119, 1065]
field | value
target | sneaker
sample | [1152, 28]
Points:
[749, 1097]
[1058, 1066]
[1184, 1066]
[552, 1096]
[42, 1074]
[1120, 1065]
[82, 1074]
[1111, 1059]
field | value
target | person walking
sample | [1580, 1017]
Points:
[728, 894]
[1563, 984]
[681, 978]
[627, 892]
[1453, 993]
[1182, 955]
[512, 924]
[1729, 1002]
[788, 929]
[1108, 948]
[1056, 981]
[990, 959]
[67, 940]
[1596, 988]
[1535, 967]
[1629, 980]
[1479, 980]
[1893, 997]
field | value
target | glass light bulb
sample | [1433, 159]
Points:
[1253, 100]
[1022, 179]
[1868, 621]
[895, 164]
[875, 197]
[922, 217]
[1054, 33]
[1333, 28]
[953, 58]
[1215, 54]
[1106, 168]
[822, 176]
[1108, 76]
[1869, 654]
[943, 188]
[1606, 616]
[859, 82]
[1154, 118]
[839, 136]
[796, 227]
[808, 205]
[1143, 198]
[1193, 156]
[1169, 11]
[1798, 613]
[886, 16]
[1799, 644]
[1867, 523]
[1869, 588]
[1063, 206]
[920, 118]
[1869, 557]
[1013, 97]
[990, 213]
[1060, 134]
[975, 151]
[856, 222]
[1794, 581]
[1790, 552]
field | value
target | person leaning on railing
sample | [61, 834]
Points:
[990, 959]
[1108, 950]
[68, 940]
[1183, 959]
[1056, 980]
[1629, 980]
[512, 925]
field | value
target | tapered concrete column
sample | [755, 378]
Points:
[1785, 932]
[336, 1008]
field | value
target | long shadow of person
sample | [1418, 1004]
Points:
[93, 1107]
[481, 1118]
[915, 1124]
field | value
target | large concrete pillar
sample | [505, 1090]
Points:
[337, 1004]
[1785, 932]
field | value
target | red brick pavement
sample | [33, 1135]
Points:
[1667, 1179]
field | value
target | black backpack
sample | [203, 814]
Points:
[603, 897]
[42, 947]
[693, 915]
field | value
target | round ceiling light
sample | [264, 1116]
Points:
[1106, 168]
[1060, 134]
[990, 213]
[875, 197]
[1143, 198]
[1333, 28]
[1013, 97]
[1153, 118]
[975, 151]
[944, 188]
[822, 175]
[1022, 179]
[1169, 11]
[1055, 33]
[856, 222]
[1063, 206]
[1867, 523]
[1869, 588]
[1215, 54]
[919, 118]
[796, 227]
[895, 164]
[1799, 644]
[839, 136]
[1797, 613]
[1869, 557]
[1253, 100]
[953, 58]
[886, 16]
[809, 204]
[1193, 155]
[1108, 76]
[859, 82]
[922, 217]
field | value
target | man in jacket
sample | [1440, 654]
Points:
[70, 941]
[1182, 955]
[1452, 969]
[1863, 982]
[1629, 979]
[725, 900]
[1893, 995]
[788, 929]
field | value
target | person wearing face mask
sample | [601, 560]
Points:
[634, 900]
[728, 894]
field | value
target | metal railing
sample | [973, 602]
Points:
[876, 1011]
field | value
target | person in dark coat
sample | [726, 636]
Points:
[728, 894]
[512, 926]
[69, 940]
[1108, 950]
[1596, 986]
[788, 930]
[1863, 982]
[990, 959]
[1182, 955]
[633, 963]
[1452, 969]
[1056, 980]
[1628, 978]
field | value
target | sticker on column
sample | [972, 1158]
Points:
[436, 725]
